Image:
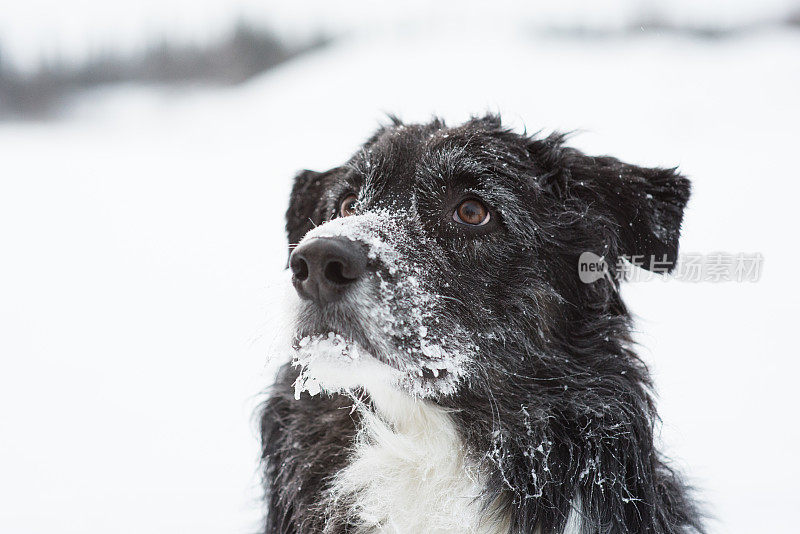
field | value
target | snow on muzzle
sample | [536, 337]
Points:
[366, 299]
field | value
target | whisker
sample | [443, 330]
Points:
[453, 299]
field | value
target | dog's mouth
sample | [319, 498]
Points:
[346, 358]
[348, 340]
[381, 333]
[338, 344]
[346, 336]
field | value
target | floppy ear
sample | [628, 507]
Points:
[647, 205]
[642, 207]
[304, 211]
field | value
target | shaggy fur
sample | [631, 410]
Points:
[491, 325]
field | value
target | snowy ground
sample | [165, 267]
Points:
[142, 263]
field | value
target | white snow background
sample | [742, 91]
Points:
[142, 261]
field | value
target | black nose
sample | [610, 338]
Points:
[325, 268]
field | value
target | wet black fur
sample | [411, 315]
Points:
[559, 404]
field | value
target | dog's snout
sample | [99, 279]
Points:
[325, 268]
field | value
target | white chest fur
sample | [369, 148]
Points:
[409, 473]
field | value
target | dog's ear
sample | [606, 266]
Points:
[305, 210]
[642, 208]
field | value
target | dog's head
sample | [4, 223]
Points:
[434, 244]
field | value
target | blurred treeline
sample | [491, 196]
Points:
[247, 51]
[241, 54]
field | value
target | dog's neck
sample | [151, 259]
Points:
[410, 472]
[404, 412]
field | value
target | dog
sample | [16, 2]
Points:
[451, 371]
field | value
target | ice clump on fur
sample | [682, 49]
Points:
[330, 350]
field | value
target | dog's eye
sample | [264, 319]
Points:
[471, 212]
[347, 206]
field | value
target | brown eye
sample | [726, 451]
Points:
[347, 206]
[471, 212]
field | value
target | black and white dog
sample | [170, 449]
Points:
[452, 373]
